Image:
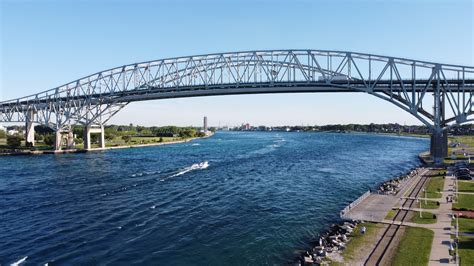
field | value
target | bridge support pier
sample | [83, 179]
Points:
[439, 146]
[58, 141]
[70, 140]
[30, 129]
[87, 136]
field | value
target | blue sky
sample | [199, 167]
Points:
[48, 43]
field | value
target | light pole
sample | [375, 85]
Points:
[420, 207]
[456, 240]
[424, 190]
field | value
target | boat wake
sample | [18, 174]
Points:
[196, 166]
[19, 262]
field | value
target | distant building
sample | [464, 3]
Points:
[247, 126]
[205, 124]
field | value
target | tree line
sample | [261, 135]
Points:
[126, 132]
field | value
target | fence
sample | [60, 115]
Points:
[353, 204]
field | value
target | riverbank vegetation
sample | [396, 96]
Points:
[415, 247]
[360, 241]
[115, 135]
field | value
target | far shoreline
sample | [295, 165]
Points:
[134, 146]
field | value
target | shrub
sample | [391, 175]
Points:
[127, 138]
[14, 141]
[49, 139]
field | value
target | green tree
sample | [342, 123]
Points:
[127, 138]
[187, 133]
[109, 135]
[3, 134]
[39, 137]
[14, 141]
[49, 139]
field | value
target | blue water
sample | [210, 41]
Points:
[261, 197]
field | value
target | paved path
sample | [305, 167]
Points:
[375, 207]
[442, 228]
[468, 193]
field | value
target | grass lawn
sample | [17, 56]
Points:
[466, 250]
[357, 240]
[466, 186]
[435, 186]
[459, 158]
[466, 244]
[465, 201]
[415, 247]
[466, 225]
[468, 140]
[390, 214]
[427, 218]
[429, 204]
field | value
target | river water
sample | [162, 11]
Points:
[235, 198]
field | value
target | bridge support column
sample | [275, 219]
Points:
[58, 141]
[30, 129]
[102, 137]
[439, 146]
[70, 140]
[439, 137]
[87, 136]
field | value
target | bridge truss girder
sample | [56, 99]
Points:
[414, 86]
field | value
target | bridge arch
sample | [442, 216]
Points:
[412, 85]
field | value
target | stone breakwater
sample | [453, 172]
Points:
[392, 186]
[332, 241]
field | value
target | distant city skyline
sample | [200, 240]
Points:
[48, 43]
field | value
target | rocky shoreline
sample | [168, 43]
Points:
[338, 235]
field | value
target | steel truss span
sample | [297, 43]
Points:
[439, 95]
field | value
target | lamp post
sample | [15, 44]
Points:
[456, 240]
[420, 207]
[424, 190]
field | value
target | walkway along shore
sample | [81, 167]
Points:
[371, 206]
[38, 152]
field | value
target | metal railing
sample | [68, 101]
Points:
[353, 204]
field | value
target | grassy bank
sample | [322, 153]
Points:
[359, 241]
[415, 247]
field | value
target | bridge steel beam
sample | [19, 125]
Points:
[414, 86]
